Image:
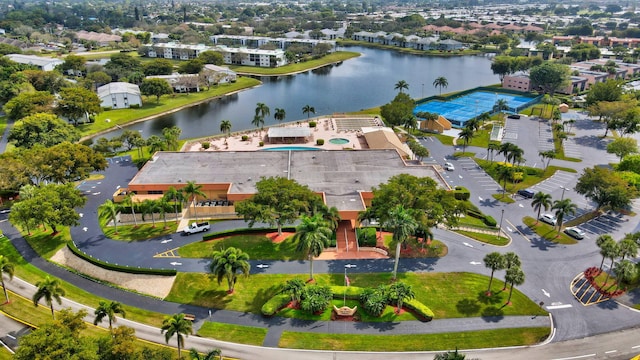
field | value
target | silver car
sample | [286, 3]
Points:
[549, 219]
[448, 166]
[575, 232]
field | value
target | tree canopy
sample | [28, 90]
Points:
[398, 110]
[77, 102]
[549, 77]
[605, 188]
[44, 129]
[155, 87]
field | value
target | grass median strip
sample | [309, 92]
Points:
[491, 239]
[258, 246]
[548, 232]
[415, 342]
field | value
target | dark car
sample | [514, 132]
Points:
[526, 193]
[514, 116]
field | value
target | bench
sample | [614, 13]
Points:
[190, 317]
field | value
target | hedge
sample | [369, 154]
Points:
[419, 309]
[352, 292]
[461, 193]
[490, 221]
[243, 231]
[120, 268]
[275, 304]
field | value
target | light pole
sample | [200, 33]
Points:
[563, 190]
[500, 227]
[347, 282]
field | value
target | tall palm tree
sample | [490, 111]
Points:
[401, 85]
[625, 270]
[176, 325]
[547, 156]
[500, 106]
[108, 310]
[440, 82]
[466, 135]
[263, 111]
[225, 127]
[402, 225]
[228, 264]
[484, 117]
[308, 109]
[331, 215]
[279, 115]
[312, 235]
[258, 122]
[611, 251]
[211, 355]
[400, 292]
[192, 191]
[504, 173]
[563, 207]
[473, 123]
[293, 288]
[607, 247]
[494, 261]
[155, 143]
[410, 123]
[510, 259]
[110, 210]
[541, 201]
[150, 207]
[628, 248]
[48, 289]
[129, 201]
[491, 148]
[163, 204]
[174, 195]
[171, 136]
[6, 267]
[514, 276]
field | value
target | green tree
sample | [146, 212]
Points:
[277, 201]
[74, 64]
[514, 276]
[130, 138]
[109, 310]
[110, 210]
[628, 248]
[75, 103]
[6, 267]
[504, 173]
[258, 122]
[279, 115]
[192, 66]
[547, 156]
[48, 289]
[44, 129]
[28, 103]
[262, 111]
[308, 109]
[403, 225]
[98, 78]
[150, 207]
[225, 127]
[510, 259]
[494, 261]
[54, 341]
[211, 355]
[605, 187]
[622, 147]
[400, 292]
[174, 196]
[155, 87]
[130, 202]
[549, 77]
[49, 81]
[312, 236]
[55, 204]
[401, 85]
[122, 65]
[400, 108]
[611, 251]
[192, 191]
[66, 162]
[541, 201]
[625, 272]
[294, 288]
[171, 137]
[466, 135]
[176, 325]
[607, 245]
[158, 67]
[449, 355]
[610, 90]
[563, 207]
[500, 106]
[502, 66]
[227, 264]
[211, 57]
[440, 82]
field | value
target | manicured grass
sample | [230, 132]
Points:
[485, 238]
[559, 148]
[249, 335]
[449, 295]
[548, 232]
[151, 107]
[258, 246]
[461, 154]
[505, 198]
[5, 354]
[371, 111]
[480, 139]
[582, 218]
[141, 232]
[415, 249]
[299, 67]
[45, 243]
[532, 177]
[414, 342]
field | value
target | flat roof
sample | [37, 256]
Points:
[276, 132]
[340, 174]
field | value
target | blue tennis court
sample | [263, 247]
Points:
[460, 109]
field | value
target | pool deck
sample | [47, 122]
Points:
[326, 129]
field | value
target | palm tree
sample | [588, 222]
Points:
[484, 117]
[491, 148]
[257, 122]
[279, 115]
[402, 225]
[400, 292]
[504, 173]
[473, 124]
[228, 264]
[514, 276]
[510, 259]
[211, 355]
[548, 156]
[150, 207]
[155, 143]
[177, 325]
[50, 290]
[307, 109]
[331, 215]
[612, 251]
[563, 207]
[225, 127]
[263, 111]
[108, 310]
[628, 248]
[312, 236]
[401, 85]
[6, 267]
[410, 123]
[494, 261]
[174, 195]
[500, 106]
[110, 209]
[625, 271]
[440, 82]
[541, 201]
[293, 288]
[163, 203]
[128, 201]
[607, 246]
[192, 191]
[466, 135]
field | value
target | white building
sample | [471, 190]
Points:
[181, 83]
[43, 63]
[219, 74]
[236, 56]
[119, 95]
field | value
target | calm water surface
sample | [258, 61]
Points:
[359, 83]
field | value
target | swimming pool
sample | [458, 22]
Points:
[460, 109]
[291, 148]
[339, 141]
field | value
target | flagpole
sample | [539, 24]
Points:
[344, 301]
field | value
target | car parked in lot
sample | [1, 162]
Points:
[575, 232]
[526, 193]
[448, 166]
[549, 219]
[514, 116]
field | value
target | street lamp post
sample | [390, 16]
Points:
[500, 227]
[347, 282]
[563, 190]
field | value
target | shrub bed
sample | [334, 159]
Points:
[367, 236]
[275, 304]
[120, 268]
[243, 231]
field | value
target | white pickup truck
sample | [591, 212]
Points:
[196, 228]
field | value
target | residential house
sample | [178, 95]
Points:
[119, 95]
[181, 83]
[41, 62]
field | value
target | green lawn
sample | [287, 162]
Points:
[414, 342]
[505, 198]
[388, 315]
[299, 67]
[3, 125]
[45, 243]
[532, 177]
[548, 232]
[249, 335]
[485, 238]
[5, 354]
[141, 232]
[258, 246]
[151, 107]
[449, 295]
[414, 249]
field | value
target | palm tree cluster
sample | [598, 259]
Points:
[627, 248]
[418, 150]
[6, 267]
[509, 262]
[562, 207]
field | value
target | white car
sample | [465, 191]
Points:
[575, 232]
[549, 219]
[448, 166]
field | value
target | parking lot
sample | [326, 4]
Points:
[479, 176]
